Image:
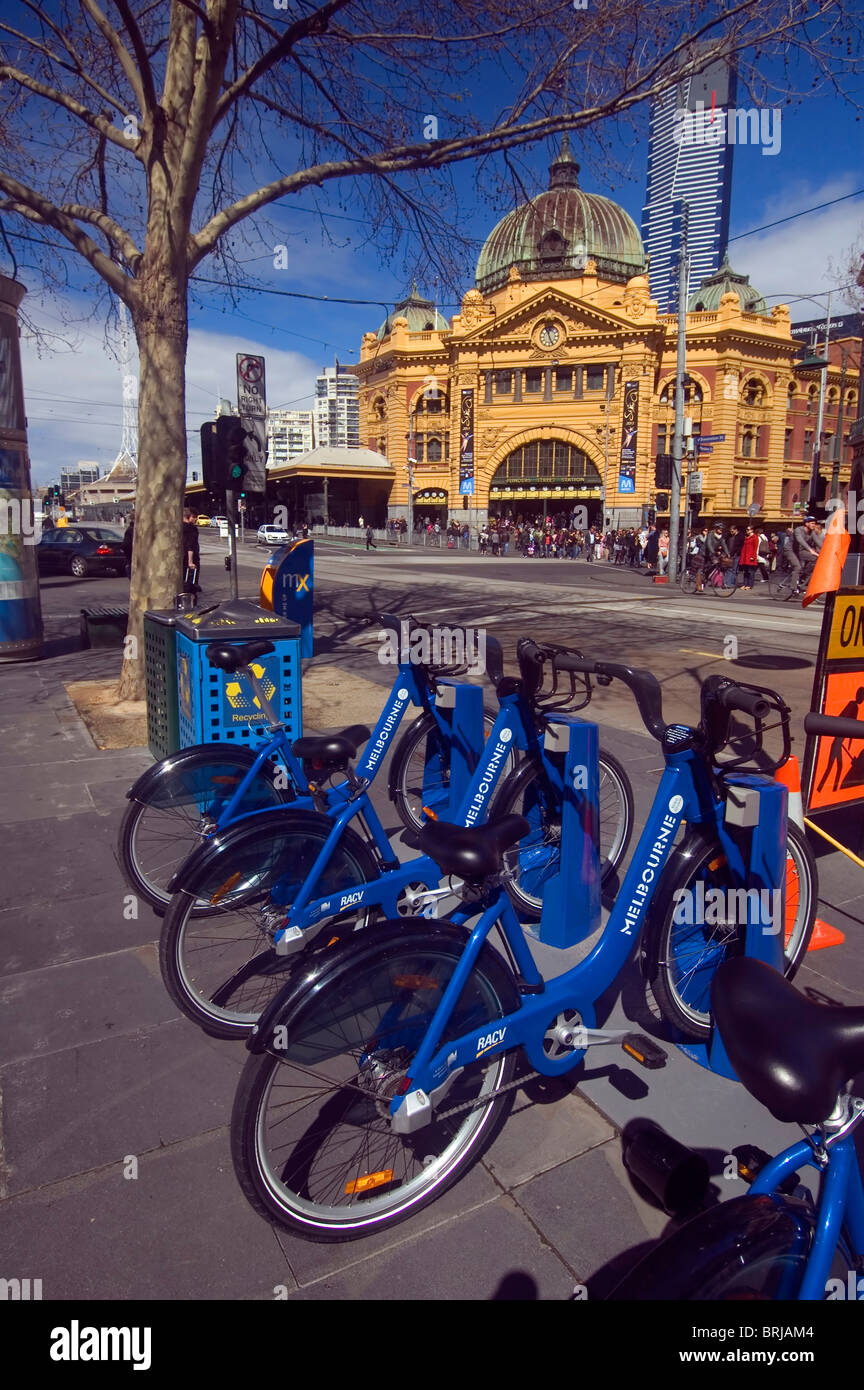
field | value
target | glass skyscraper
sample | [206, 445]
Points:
[689, 162]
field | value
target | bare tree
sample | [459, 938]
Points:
[145, 132]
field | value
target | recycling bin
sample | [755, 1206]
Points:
[211, 705]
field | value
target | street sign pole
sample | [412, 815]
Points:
[232, 539]
[678, 440]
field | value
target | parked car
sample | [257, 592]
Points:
[81, 550]
[271, 534]
[204, 521]
[218, 520]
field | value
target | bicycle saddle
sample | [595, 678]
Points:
[230, 659]
[792, 1054]
[325, 748]
[474, 853]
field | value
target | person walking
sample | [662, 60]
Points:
[191, 553]
[370, 539]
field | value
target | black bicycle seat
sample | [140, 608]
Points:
[328, 748]
[471, 853]
[230, 658]
[792, 1054]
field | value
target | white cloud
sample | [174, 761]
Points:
[73, 396]
[793, 259]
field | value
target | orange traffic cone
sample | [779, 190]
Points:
[790, 775]
[823, 933]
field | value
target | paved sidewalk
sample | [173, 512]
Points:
[98, 1068]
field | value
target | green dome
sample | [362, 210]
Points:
[552, 236]
[421, 314]
[724, 281]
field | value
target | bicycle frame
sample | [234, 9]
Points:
[841, 1202]
[515, 726]
[411, 686]
[684, 793]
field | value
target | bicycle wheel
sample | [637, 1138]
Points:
[420, 775]
[688, 583]
[720, 590]
[223, 971]
[532, 862]
[683, 955]
[752, 1247]
[182, 808]
[783, 584]
[311, 1138]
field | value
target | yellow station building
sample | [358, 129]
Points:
[554, 385]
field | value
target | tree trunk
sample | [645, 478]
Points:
[161, 327]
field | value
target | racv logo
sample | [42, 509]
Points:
[490, 1040]
[348, 899]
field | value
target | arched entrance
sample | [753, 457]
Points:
[546, 477]
[430, 505]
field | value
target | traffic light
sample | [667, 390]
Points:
[234, 437]
[652, 516]
[222, 453]
[663, 471]
[662, 502]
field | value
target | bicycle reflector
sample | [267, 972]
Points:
[369, 1181]
[226, 887]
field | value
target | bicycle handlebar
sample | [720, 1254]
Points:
[748, 701]
[832, 726]
[643, 684]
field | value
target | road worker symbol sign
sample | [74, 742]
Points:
[839, 765]
[834, 767]
[244, 707]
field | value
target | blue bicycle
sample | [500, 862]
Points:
[191, 795]
[382, 1072]
[795, 1057]
[278, 883]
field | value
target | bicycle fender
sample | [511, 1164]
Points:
[396, 761]
[687, 1262]
[691, 846]
[204, 861]
[145, 787]
[325, 967]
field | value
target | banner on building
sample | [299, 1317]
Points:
[629, 426]
[466, 442]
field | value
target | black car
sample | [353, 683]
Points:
[81, 550]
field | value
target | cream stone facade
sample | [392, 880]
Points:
[546, 348]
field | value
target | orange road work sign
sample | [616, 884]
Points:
[825, 578]
[834, 767]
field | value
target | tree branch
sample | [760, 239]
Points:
[107, 225]
[312, 24]
[140, 51]
[97, 123]
[121, 53]
[30, 204]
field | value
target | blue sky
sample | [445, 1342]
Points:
[73, 395]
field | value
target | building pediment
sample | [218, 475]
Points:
[576, 318]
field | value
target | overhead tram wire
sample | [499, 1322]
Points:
[386, 304]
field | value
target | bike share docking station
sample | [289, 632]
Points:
[755, 824]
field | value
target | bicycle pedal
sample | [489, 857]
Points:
[751, 1160]
[644, 1050]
